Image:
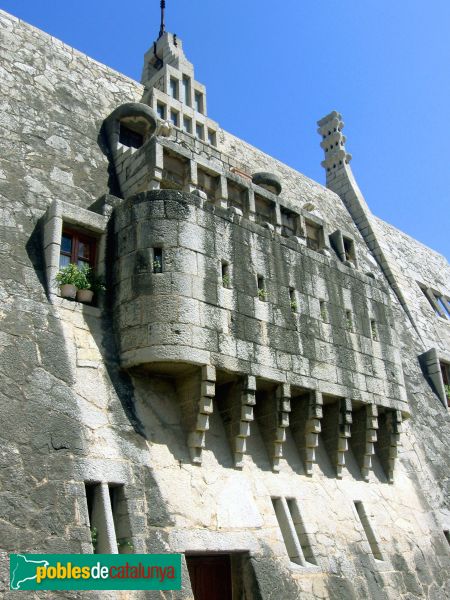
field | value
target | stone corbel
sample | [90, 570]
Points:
[196, 438]
[242, 419]
[389, 440]
[305, 425]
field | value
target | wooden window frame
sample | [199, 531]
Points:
[77, 237]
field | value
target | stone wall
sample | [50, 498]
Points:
[70, 414]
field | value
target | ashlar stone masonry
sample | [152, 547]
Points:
[262, 386]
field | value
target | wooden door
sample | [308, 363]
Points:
[210, 576]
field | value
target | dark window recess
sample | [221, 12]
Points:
[293, 300]
[313, 235]
[349, 250]
[348, 320]
[198, 97]
[262, 292]
[207, 183]
[130, 138]
[236, 195]
[323, 310]
[77, 248]
[264, 210]
[226, 281]
[121, 519]
[157, 260]
[288, 222]
[374, 330]
[447, 535]
[161, 109]
[210, 576]
[212, 138]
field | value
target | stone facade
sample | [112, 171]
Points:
[262, 378]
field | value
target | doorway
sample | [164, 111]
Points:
[210, 576]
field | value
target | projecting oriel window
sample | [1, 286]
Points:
[77, 248]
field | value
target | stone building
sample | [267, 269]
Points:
[262, 386]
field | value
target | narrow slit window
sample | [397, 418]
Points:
[293, 300]
[198, 96]
[288, 531]
[262, 292]
[323, 310]
[349, 250]
[300, 530]
[374, 330]
[200, 131]
[226, 280]
[348, 320]
[175, 117]
[121, 519]
[187, 124]
[161, 110]
[187, 89]
[174, 88]
[157, 260]
[368, 530]
[212, 138]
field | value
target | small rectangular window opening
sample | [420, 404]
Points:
[374, 330]
[348, 320]
[157, 260]
[121, 519]
[349, 250]
[200, 131]
[293, 300]
[161, 110]
[174, 88]
[262, 292]
[187, 90]
[187, 124]
[175, 117]
[323, 310]
[199, 102]
[368, 530]
[212, 138]
[226, 280]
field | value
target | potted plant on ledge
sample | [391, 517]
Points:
[85, 292]
[67, 278]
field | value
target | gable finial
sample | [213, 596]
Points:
[162, 28]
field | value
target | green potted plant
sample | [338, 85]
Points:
[88, 284]
[85, 292]
[67, 278]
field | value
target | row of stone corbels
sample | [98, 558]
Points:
[277, 413]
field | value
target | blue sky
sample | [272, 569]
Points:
[272, 69]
